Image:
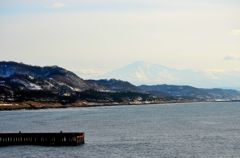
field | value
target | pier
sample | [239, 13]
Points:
[43, 139]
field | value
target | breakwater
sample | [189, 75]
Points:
[44, 139]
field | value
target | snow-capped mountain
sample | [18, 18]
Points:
[146, 73]
[19, 82]
[22, 76]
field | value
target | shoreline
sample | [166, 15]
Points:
[33, 105]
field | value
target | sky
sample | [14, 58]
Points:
[97, 36]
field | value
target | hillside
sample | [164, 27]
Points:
[199, 94]
[114, 85]
[36, 78]
[22, 83]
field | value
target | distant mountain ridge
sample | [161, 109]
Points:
[52, 83]
[141, 72]
[114, 85]
[191, 92]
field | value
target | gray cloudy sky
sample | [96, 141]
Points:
[99, 35]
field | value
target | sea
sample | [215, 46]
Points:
[186, 130]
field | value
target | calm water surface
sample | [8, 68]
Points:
[194, 130]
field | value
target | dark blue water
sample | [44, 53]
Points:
[194, 130]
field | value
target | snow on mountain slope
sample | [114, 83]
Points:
[27, 75]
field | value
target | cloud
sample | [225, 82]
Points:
[236, 32]
[231, 58]
[89, 73]
[216, 70]
[58, 5]
[228, 57]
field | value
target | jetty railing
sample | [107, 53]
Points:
[44, 139]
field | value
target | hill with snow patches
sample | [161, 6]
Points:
[20, 82]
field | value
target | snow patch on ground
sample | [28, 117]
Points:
[33, 86]
[28, 85]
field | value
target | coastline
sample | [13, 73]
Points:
[33, 105]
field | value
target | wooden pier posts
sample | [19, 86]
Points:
[44, 139]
